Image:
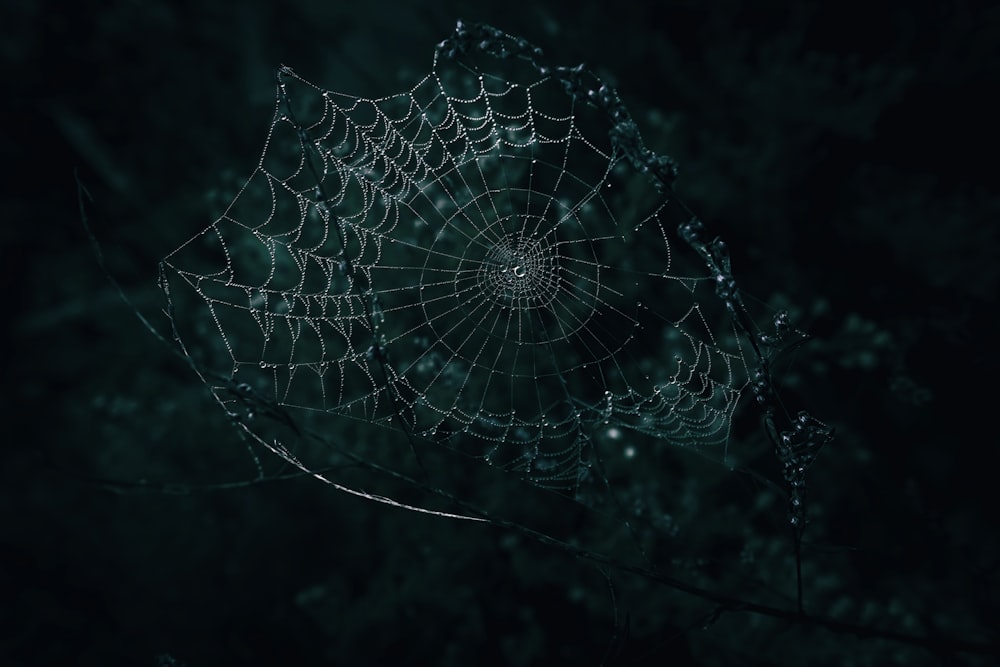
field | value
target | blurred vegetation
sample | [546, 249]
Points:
[844, 153]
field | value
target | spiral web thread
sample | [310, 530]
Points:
[480, 261]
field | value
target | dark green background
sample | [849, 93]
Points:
[847, 155]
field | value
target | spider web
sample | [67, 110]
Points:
[476, 262]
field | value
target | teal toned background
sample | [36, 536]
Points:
[847, 155]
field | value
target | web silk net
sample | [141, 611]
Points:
[489, 261]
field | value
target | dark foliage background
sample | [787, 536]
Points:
[846, 152]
